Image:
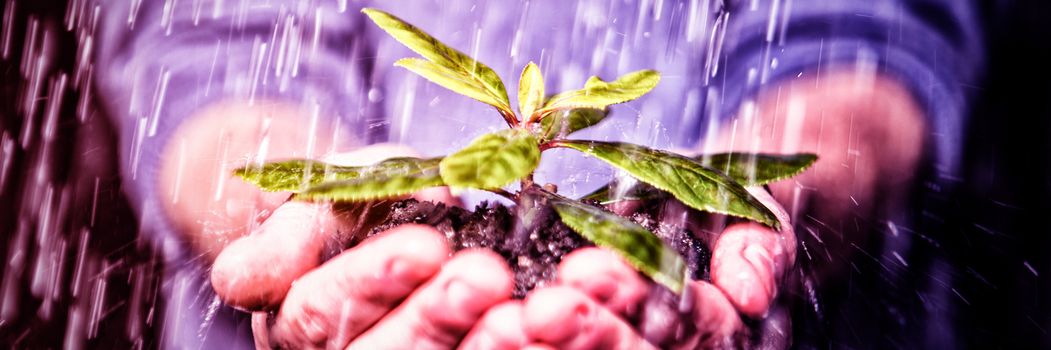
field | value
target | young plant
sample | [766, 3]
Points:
[492, 161]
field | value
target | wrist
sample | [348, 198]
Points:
[200, 194]
[866, 129]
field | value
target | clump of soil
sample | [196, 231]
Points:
[530, 235]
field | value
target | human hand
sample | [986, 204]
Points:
[398, 289]
[846, 119]
[868, 132]
[598, 300]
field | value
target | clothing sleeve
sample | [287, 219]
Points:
[934, 47]
[159, 61]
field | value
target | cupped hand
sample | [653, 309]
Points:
[284, 260]
[398, 289]
[597, 295]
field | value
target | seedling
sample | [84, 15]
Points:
[494, 161]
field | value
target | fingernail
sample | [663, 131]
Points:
[398, 270]
[459, 294]
[554, 316]
[761, 262]
[582, 316]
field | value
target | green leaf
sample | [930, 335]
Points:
[748, 169]
[639, 247]
[599, 94]
[492, 160]
[560, 124]
[593, 81]
[696, 185]
[447, 78]
[478, 78]
[638, 191]
[293, 175]
[389, 178]
[755, 169]
[530, 90]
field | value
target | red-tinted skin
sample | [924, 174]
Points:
[402, 289]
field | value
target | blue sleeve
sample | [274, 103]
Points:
[934, 47]
[159, 61]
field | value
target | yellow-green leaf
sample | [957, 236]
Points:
[593, 81]
[748, 169]
[389, 178]
[639, 247]
[560, 124]
[477, 77]
[695, 185]
[599, 94]
[755, 169]
[492, 160]
[530, 90]
[447, 78]
[294, 175]
[639, 191]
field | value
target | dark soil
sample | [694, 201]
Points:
[535, 242]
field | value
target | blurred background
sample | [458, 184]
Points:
[76, 274]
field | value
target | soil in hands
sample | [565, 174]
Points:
[530, 235]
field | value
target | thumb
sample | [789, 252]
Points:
[749, 260]
[256, 271]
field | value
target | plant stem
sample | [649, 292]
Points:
[509, 118]
[527, 181]
[502, 193]
[549, 145]
[531, 119]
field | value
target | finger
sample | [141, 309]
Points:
[244, 282]
[700, 317]
[255, 271]
[604, 277]
[749, 260]
[261, 330]
[565, 318]
[787, 234]
[747, 263]
[339, 300]
[625, 207]
[538, 347]
[439, 314]
[500, 328]
[717, 322]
